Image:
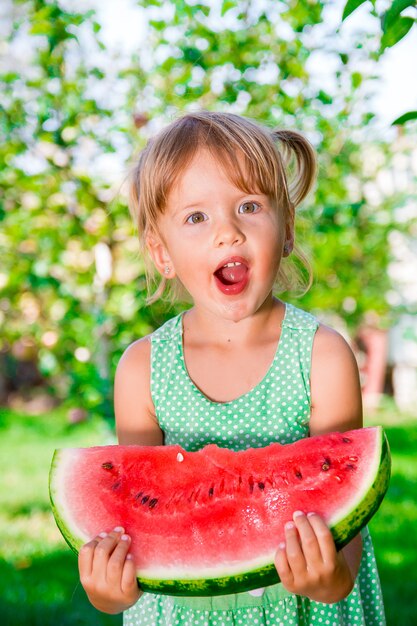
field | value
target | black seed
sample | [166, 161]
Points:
[350, 466]
[298, 474]
[116, 485]
[347, 440]
[153, 503]
[251, 484]
[145, 499]
[107, 466]
[211, 492]
[261, 486]
[138, 495]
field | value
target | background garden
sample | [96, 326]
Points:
[74, 111]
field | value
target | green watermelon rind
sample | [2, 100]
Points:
[343, 531]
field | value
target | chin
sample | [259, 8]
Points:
[236, 311]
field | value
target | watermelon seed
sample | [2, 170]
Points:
[347, 440]
[145, 499]
[353, 458]
[138, 495]
[338, 479]
[326, 465]
[251, 484]
[211, 491]
[153, 503]
[116, 485]
[298, 474]
[350, 466]
[261, 486]
[107, 466]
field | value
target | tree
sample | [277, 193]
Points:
[75, 291]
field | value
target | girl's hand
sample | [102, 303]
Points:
[107, 572]
[308, 563]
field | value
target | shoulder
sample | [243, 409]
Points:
[135, 414]
[329, 344]
[134, 365]
[335, 386]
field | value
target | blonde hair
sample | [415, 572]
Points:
[277, 163]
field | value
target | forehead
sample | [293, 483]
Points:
[207, 167]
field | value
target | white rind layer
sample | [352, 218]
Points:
[64, 461]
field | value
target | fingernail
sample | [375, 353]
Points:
[298, 514]
[289, 525]
[311, 514]
[282, 545]
[125, 537]
[129, 557]
[119, 529]
[102, 535]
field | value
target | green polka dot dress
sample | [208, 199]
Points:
[277, 409]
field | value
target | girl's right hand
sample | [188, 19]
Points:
[107, 572]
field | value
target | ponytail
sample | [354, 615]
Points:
[300, 181]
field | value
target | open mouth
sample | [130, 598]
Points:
[232, 276]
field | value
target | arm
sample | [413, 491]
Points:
[107, 572]
[307, 562]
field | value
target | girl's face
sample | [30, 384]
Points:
[223, 244]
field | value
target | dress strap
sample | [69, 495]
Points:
[301, 327]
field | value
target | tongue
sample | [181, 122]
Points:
[231, 275]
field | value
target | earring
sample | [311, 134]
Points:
[287, 249]
[167, 270]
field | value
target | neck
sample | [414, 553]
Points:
[212, 329]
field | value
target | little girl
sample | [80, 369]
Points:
[215, 205]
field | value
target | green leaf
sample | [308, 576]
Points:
[356, 79]
[396, 32]
[350, 6]
[227, 5]
[406, 117]
[392, 14]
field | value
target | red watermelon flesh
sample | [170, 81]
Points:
[210, 521]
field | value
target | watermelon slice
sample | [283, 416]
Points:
[209, 522]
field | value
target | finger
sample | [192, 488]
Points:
[295, 556]
[129, 581]
[309, 542]
[86, 556]
[103, 551]
[324, 538]
[283, 567]
[117, 560]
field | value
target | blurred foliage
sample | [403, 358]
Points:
[394, 27]
[73, 288]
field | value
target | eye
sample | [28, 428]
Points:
[196, 218]
[249, 207]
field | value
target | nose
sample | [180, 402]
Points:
[228, 233]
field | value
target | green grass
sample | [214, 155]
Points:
[39, 584]
[38, 573]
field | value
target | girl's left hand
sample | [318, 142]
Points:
[308, 563]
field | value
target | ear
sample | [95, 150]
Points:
[160, 255]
